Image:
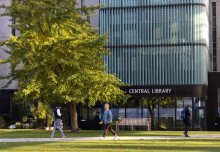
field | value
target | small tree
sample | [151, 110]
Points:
[57, 56]
[41, 113]
[152, 102]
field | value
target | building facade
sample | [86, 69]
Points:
[214, 36]
[5, 33]
[157, 42]
[5, 94]
[213, 93]
[164, 49]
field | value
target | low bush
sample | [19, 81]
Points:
[2, 123]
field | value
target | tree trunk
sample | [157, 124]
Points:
[73, 115]
[152, 113]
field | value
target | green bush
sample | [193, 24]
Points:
[40, 112]
[20, 125]
[7, 119]
[40, 123]
[2, 123]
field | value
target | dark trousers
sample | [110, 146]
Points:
[187, 125]
[108, 127]
[97, 126]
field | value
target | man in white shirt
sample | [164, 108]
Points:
[57, 121]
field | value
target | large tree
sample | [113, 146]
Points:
[58, 56]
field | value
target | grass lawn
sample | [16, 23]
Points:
[174, 145]
[191, 145]
[29, 133]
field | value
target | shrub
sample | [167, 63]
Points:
[20, 125]
[2, 123]
[40, 112]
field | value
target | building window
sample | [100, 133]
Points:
[218, 100]
[214, 22]
[214, 64]
[82, 4]
[214, 33]
[214, 49]
[151, 42]
[13, 30]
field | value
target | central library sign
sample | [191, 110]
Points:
[166, 91]
[149, 91]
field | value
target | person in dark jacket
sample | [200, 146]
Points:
[217, 122]
[57, 121]
[97, 120]
[187, 121]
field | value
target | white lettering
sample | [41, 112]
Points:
[152, 91]
[163, 91]
[147, 91]
[169, 90]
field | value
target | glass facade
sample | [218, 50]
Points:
[165, 115]
[218, 100]
[157, 42]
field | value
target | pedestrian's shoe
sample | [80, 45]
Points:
[64, 136]
[102, 138]
[115, 138]
[51, 136]
[186, 135]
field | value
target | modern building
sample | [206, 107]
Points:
[214, 77]
[214, 36]
[165, 49]
[160, 45]
[5, 94]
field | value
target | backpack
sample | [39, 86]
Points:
[183, 114]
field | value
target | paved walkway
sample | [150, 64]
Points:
[108, 138]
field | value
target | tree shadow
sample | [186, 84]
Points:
[202, 145]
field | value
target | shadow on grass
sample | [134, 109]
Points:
[202, 145]
[17, 133]
[85, 133]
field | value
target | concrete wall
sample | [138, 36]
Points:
[5, 32]
[94, 17]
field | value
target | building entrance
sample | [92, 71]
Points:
[163, 104]
[167, 112]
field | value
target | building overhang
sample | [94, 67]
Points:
[166, 90]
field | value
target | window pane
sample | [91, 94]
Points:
[214, 49]
[214, 21]
[214, 64]
[214, 35]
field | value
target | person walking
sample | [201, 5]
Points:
[107, 120]
[97, 120]
[186, 120]
[217, 122]
[57, 121]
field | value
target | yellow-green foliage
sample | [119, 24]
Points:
[57, 56]
[41, 110]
